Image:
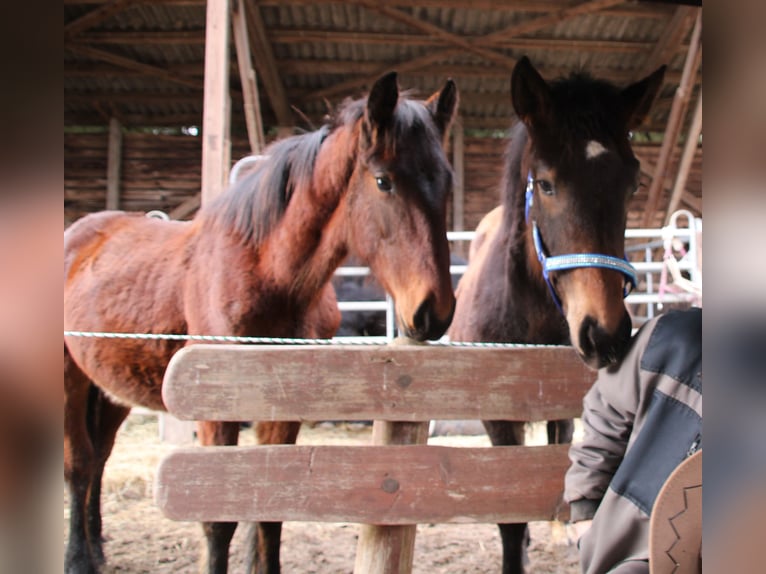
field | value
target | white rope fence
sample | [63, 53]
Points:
[283, 340]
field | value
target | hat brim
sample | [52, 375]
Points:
[675, 535]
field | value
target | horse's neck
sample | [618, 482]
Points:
[310, 241]
[528, 312]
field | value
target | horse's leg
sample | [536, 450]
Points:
[79, 466]
[263, 541]
[104, 421]
[560, 431]
[218, 535]
[514, 537]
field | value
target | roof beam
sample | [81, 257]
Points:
[95, 16]
[680, 100]
[670, 42]
[649, 10]
[549, 20]
[469, 45]
[300, 36]
[303, 36]
[129, 64]
[434, 57]
[266, 65]
[251, 99]
[163, 38]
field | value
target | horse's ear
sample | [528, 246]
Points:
[443, 106]
[637, 98]
[382, 101]
[530, 95]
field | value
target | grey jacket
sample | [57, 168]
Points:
[640, 419]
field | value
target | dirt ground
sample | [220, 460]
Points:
[140, 539]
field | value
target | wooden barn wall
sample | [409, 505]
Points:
[158, 171]
[483, 169]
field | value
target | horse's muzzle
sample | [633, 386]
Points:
[599, 348]
[426, 323]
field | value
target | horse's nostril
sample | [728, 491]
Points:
[586, 338]
[601, 348]
[422, 318]
[426, 324]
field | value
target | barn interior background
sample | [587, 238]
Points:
[135, 80]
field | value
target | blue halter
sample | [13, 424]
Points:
[574, 260]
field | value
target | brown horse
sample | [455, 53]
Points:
[256, 261]
[547, 267]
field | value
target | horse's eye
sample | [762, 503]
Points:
[385, 184]
[546, 187]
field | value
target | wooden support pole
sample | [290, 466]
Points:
[458, 167]
[250, 96]
[458, 196]
[690, 149]
[384, 549]
[114, 165]
[269, 70]
[216, 113]
[680, 101]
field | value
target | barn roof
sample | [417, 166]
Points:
[142, 62]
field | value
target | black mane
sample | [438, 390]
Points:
[253, 205]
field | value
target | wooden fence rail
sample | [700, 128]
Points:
[389, 485]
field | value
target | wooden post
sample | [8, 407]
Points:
[458, 166]
[680, 100]
[250, 96]
[383, 549]
[690, 149]
[114, 165]
[216, 150]
[215, 117]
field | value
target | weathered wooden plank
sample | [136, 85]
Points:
[238, 382]
[390, 485]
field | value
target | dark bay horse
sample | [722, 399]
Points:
[547, 267]
[256, 261]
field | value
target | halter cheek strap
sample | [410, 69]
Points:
[574, 260]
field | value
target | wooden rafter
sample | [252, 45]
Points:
[341, 67]
[251, 99]
[687, 158]
[300, 36]
[645, 10]
[548, 20]
[483, 41]
[267, 66]
[680, 100]
[670, 41]
[123, 62]
[437, 32]
[95, 16]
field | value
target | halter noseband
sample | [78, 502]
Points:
[573, 260]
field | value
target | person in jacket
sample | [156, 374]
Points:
[641, 419]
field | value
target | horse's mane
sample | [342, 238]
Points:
[255, 204]
[252, 206]
[512, 188]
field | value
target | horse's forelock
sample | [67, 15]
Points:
[586, 109]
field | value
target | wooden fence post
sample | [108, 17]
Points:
[384, 549]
